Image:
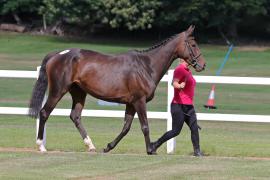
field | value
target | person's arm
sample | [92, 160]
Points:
[177, 85]
[178, 81]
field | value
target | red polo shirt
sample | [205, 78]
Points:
[185, 95]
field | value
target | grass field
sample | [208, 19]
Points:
[234, 151]
[228, 145]
[84, 166]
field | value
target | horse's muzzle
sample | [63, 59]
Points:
[199, 67]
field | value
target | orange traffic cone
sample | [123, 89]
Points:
[211, 99]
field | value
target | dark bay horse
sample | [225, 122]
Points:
[130, 78]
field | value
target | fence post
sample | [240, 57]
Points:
[37, 121]
[170, 143]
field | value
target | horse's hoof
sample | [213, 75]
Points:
[93, 150]
[42, 149]
[153, 149]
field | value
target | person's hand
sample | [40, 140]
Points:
[182, 85]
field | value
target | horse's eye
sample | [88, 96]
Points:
[193, 45]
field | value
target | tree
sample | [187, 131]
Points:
[17, 8]
[131, 14]
[228, 15]
[83, 12]
[225, 15]
[176, 13]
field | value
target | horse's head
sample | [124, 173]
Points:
[189, 50]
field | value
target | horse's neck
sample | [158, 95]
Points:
[162, 58]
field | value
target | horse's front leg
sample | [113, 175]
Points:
[140, 107]
[129, 116]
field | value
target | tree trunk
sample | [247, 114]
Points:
[44, 22]
[17, 19]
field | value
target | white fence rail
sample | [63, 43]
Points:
[154, 115]
[150, 114]
[18, 74]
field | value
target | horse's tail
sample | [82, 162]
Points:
[39, 90]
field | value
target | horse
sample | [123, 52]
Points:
[129, 78]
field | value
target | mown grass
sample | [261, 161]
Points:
[85, 166]
[217, 138]
[238, 141]
[25, 52]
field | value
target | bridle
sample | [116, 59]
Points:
[194, 58]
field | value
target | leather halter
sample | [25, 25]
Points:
[193, 61]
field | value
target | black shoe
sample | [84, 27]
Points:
[153, 147]
[198, 153]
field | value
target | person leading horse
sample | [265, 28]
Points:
[130, 78]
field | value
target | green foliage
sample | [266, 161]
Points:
[128, 14]
[11, 6]
[84, 12]
[114, 13]
[133, 14]
[226, 15]
[210, 13]
[179, 12]
[231, 11]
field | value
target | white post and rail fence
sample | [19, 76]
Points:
[151, 114]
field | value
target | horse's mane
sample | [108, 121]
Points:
[160, 44]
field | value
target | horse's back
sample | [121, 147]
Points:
[110, 77]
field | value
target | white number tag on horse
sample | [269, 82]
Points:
[64, 52]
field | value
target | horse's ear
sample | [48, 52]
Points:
[190, 30]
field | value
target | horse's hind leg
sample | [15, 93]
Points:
[129, 115]
[78, 97]
[44, 114]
